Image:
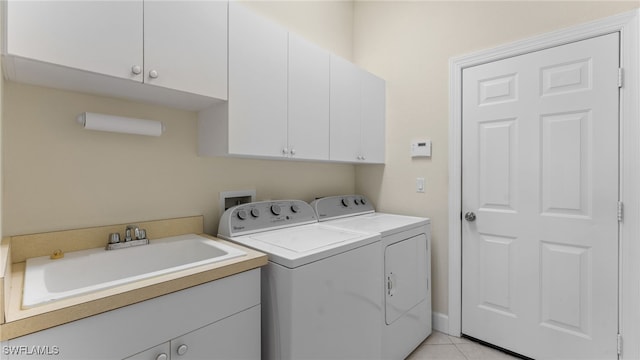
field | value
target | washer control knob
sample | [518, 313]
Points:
[295, 208]
[242, 215]
[275, 209]
[255, 213]
[345, 202]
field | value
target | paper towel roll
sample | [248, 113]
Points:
[102, 122]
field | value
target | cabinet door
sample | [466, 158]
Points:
[373, 118]
[235, 337]
[103, 37]
[257, 84]
[345, 111]
[309, 74]
[155, 353]
[185, 43]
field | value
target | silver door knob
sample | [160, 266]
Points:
[136, 69]
[470, 216]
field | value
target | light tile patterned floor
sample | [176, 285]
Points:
[442, 346]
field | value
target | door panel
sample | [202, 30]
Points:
[308, 102]
[540, 171]
[405, 263]
[257, 84]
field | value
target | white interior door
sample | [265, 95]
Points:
[540, 172]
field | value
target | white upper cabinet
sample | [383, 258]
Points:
[357, 114]
[278, 103]
[345, 110]
[98, 36]
[309, 75]
[373, 108]
[185, 46]
[118, 48]
[257, 107]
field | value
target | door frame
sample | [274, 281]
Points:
[629, 192]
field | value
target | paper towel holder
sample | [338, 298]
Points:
[120, 124]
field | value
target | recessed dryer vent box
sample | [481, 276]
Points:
[232, 198]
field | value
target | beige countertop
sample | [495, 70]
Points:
[16, 321]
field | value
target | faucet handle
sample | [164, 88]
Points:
[136, 232]
[114, 238]
[143, 234]
[127, 235]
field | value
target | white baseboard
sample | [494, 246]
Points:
[440, 322]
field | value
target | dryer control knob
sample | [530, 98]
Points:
[242, 215]
[363, 201]
[275, 209]
[255, 213]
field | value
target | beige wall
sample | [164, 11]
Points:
[59, 176]
[328, 23]
[409, 44]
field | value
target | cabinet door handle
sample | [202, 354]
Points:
[153, 74]
[162, 356]
[136, 69]
[293, 152]
[182, 349]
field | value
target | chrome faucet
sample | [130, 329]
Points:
[133, 236]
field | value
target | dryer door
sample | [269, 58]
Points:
[406, 275]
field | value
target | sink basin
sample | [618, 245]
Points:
[85, 271]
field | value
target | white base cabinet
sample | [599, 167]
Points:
[235, 337]
[215, 320]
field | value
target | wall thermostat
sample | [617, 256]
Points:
[421, 148]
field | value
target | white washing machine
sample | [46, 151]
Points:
[406, 255]
[321, 287]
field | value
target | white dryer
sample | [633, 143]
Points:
[321, 287]
[406, 255]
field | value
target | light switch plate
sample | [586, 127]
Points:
[420, 185]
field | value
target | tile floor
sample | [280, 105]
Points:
[442, 346]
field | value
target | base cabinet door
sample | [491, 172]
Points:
[236, 337]
[160, 352]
